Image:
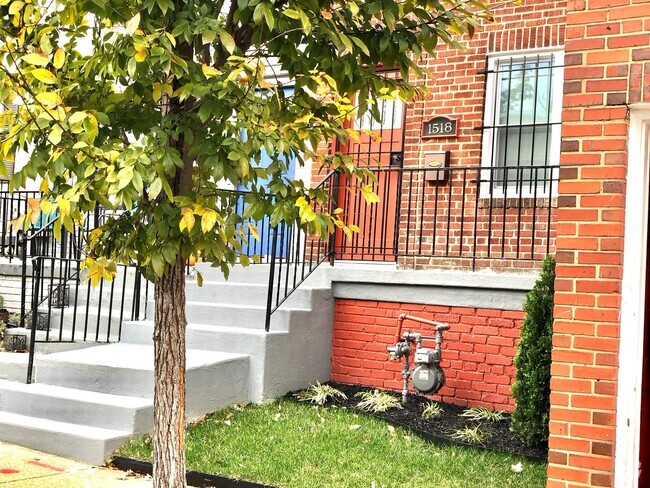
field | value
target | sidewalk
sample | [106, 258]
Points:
[24, 468]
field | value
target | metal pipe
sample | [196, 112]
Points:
[400, 321]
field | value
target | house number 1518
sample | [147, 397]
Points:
[440, 127]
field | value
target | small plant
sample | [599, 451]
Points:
[377, 401]
[432, 410]
[478, 414]
[321, 394]
[14, 319]
[470, 435]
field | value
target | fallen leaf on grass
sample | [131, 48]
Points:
[517, 468]
[355, 427]
[227, 422]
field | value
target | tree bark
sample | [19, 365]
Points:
[170, 323]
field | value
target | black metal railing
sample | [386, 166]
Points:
[461, 215]
[65, 307]
[13, 205]
[295, 255]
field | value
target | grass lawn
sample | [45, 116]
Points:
[299, 445]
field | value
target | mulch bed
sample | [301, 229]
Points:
[440, 430]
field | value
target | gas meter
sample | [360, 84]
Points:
[427, 376]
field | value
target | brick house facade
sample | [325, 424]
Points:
[499, 211]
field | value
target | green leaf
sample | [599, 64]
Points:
[133, 24]
[158, 264]
[55, 134]
[227, 41]
[208, 36]
[292, 14]
[77, 117]
[154, 189]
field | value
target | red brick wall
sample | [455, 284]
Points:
[456, 83]
[608, 66]
[478, 350]
[457, 89]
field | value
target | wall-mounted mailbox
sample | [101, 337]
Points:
[435, 162]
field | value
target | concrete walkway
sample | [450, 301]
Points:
[24, 468]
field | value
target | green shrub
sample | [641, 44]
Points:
[532, 389]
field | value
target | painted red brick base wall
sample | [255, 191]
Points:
[478, 350]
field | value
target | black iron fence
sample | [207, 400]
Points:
[65, 307]
[13, 205]
[461, 216]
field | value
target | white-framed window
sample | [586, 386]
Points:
[391, 115]
[522, 122]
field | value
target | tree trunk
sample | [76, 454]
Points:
[169, 372]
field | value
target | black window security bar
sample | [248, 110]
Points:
[522, 118]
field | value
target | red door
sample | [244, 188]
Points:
[380, 148]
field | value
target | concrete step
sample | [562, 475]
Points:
[255, 273]
[233, 315]
[118, 289]
[213, 378]
[74, 406]
[13, 366]
[92, 445]
[282, 360]
[85, 321]
[259, 273]
[244, 293]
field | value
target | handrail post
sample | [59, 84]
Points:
[22, 242]
[269, 296]
[36, 266]
[335, 198]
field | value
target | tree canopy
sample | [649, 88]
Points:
[153, 105]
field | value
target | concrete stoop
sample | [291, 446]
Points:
[86, 402]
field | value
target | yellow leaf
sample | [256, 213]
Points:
[132, 25]
[36, 59]
[59, 58]
[44, 75]
[64, 206]
[140, 56]
[157, 92]
[187, 220]
[16, 7]
[44, 186]
[48, 99]
[46, 207]
[301, 201]
[253, 230]
[171, 38]
[209, 71]
[208, 220]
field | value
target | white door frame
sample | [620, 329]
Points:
[628, 419]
